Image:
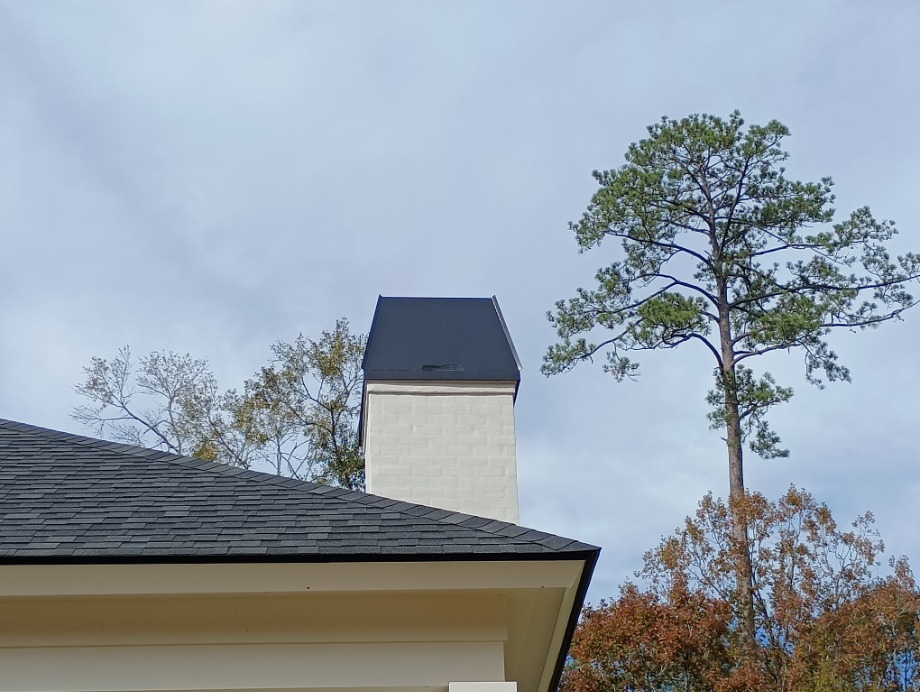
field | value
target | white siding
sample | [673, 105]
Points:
[448, 445]
[328, 627]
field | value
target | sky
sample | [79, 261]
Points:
[212, 177]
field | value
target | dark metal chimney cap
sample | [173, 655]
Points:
[458, 339]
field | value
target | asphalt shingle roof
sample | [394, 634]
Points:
[66, 498]
[440, 339]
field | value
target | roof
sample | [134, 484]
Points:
[68, 498]
[440, 339]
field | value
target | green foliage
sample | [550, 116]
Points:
[314, 387]
[720, 248]
[755, 397]
[298, 415]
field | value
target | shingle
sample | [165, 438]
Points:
[63, 496]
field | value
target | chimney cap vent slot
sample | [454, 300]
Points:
[443, 367]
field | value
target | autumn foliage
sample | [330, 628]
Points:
[825, 620]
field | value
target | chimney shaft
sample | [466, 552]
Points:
[441, 376]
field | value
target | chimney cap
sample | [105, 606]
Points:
[440, 339]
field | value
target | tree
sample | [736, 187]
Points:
[168, 401]
[298, 415]
[823, 620]
[716, 250]
[313, 387]
[644, 642]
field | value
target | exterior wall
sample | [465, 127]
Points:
[448, 444]
[317, 668]
[347, 627]
[250, 643]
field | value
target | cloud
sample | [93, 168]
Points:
[212, 177]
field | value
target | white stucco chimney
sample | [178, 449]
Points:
[440, 379]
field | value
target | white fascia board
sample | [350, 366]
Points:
[217, 578]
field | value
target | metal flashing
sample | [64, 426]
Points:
[417, 338]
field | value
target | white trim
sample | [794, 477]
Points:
[143, 579]
[452, 387]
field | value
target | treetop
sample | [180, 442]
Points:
[718, 246]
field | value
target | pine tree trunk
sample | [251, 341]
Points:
[733, 440]
[737, 497]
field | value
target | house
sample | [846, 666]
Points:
[123, 568]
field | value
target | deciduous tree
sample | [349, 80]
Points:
[720, 248]
[298, 415]
[642, 641]
[313, 388]
[824, 620]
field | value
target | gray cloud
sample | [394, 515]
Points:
[211, 177]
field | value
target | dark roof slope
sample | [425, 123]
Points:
[440, 339]
[66, 498]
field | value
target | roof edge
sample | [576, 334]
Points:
[589, 556]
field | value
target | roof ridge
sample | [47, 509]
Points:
[444, 517]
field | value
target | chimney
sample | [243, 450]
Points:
[437, 418]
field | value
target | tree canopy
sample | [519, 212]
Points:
[720, 248]
[297, 415]
[824, 620]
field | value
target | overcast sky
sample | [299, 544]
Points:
[211, 177]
